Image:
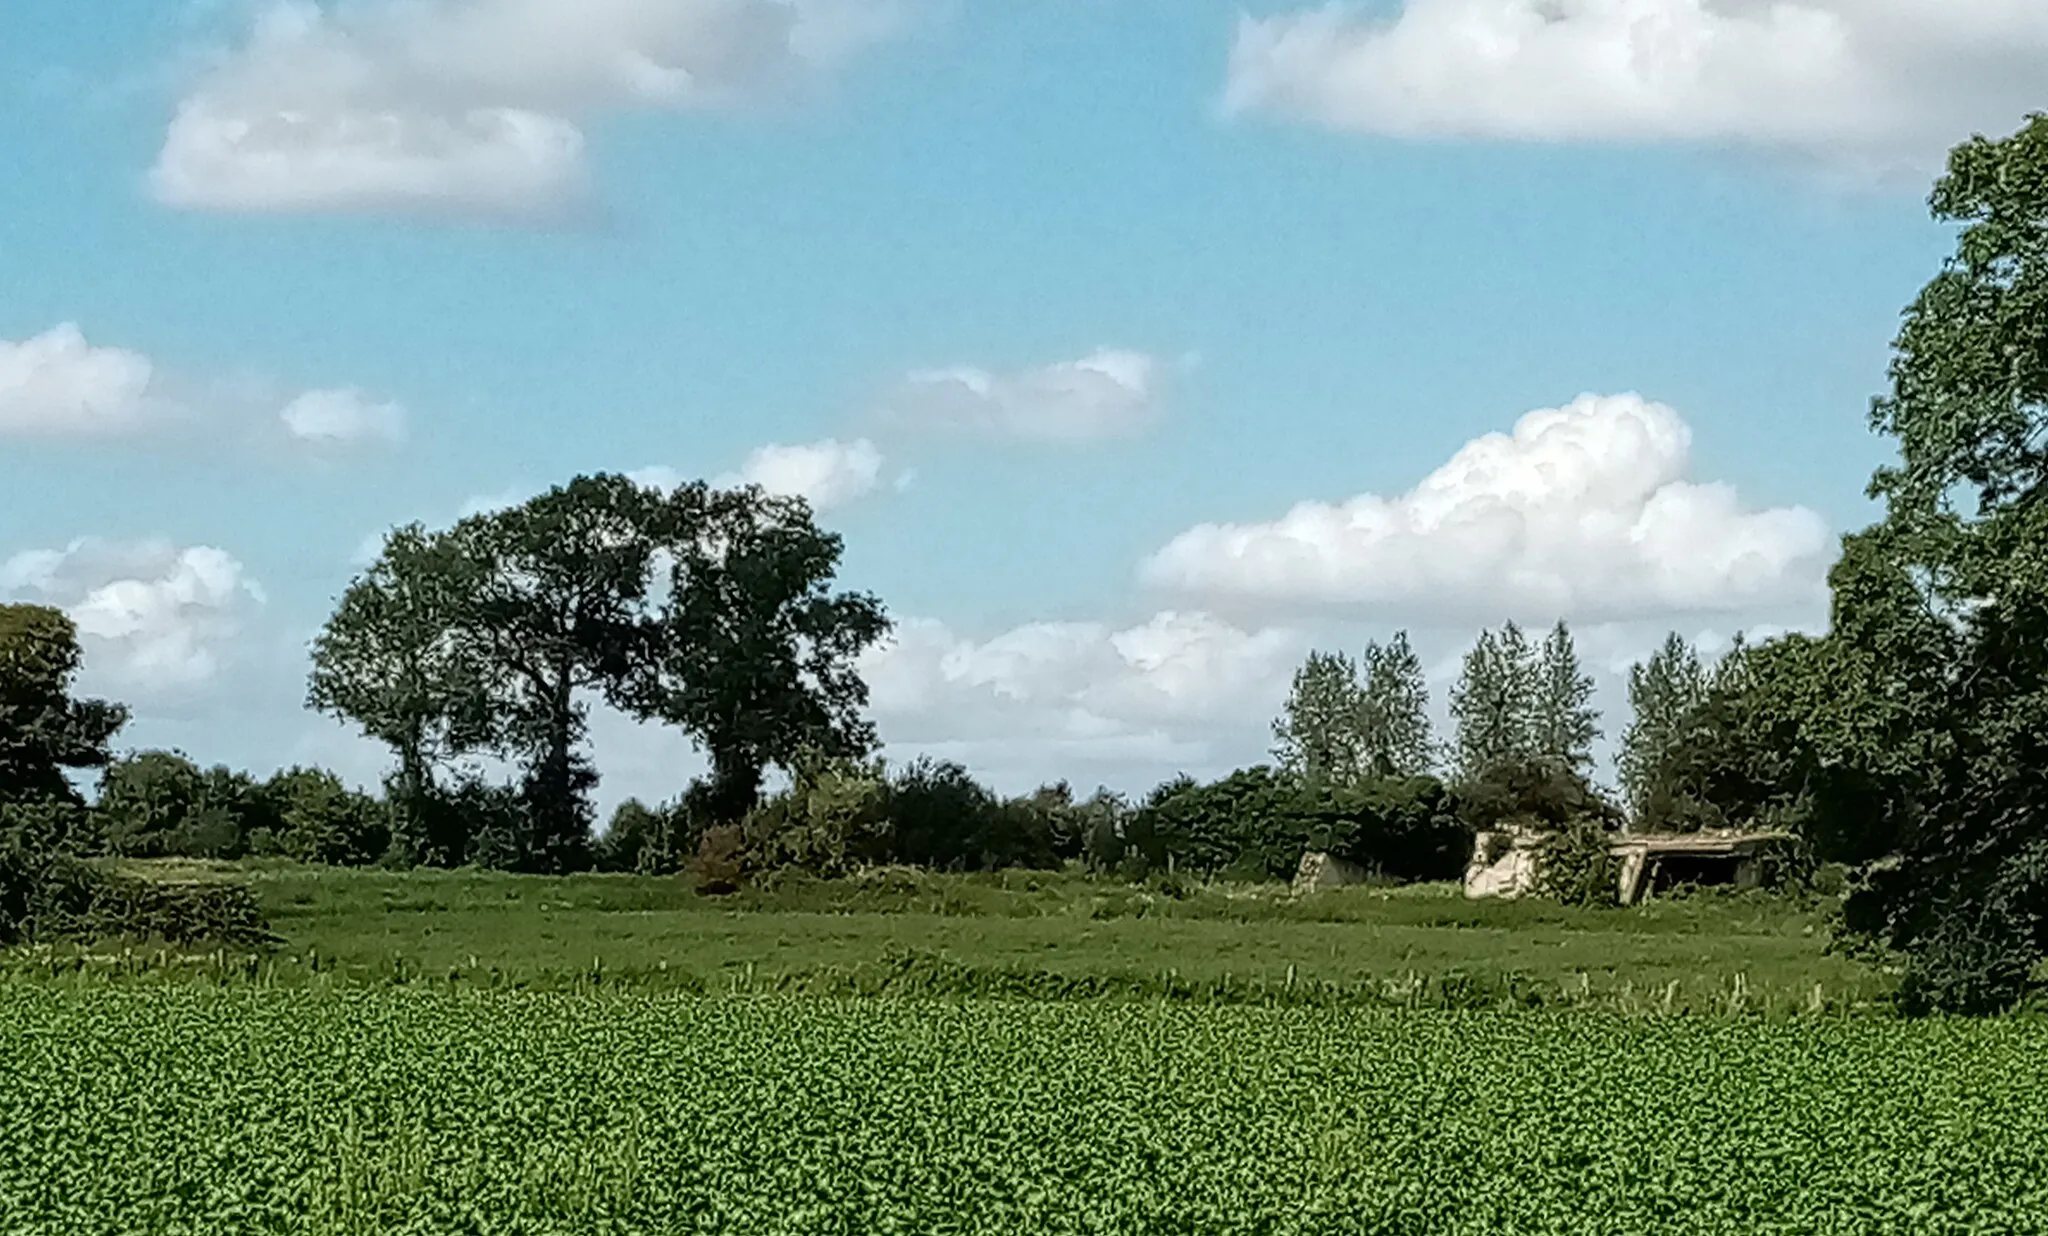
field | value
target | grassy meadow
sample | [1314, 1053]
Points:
[1039, 935]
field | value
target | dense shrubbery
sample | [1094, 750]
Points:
[1256, 823]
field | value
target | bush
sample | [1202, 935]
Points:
[158, 804]
[942, 818]
[1573, 865]
[320, 820]
[833, 819]
[1254, 822]
[719, 866]
[51, 828]
[1399, 828]
[49, 896]
[1533, 796]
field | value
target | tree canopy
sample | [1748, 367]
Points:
[704, 609]
[44, 732]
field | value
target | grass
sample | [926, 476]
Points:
[1048, 933]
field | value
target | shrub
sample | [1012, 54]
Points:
[719, 866]
[51, 828]
[1532, 796]
[649, 840]
[943, 818]
[833, 819]
[1573, 865]
[1400, 828]
[320, 820]
[1254, 822]
[158, 804]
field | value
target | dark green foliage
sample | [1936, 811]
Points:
[834, 818]
[52, 828]
[80, 903]
[1256, 823]
[158, 804]
[43, 731]
[1664, 692]
[395, 660]
[1574, 866]
[48, 895]
[1532, 796]
[944, 819]
[493, 636]
[1917, 742]
[751, 653]
[320, 820]
[1400, 828]
[654, 840]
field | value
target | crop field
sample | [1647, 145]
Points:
[186, 1109]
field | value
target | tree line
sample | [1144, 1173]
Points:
[1909, 743]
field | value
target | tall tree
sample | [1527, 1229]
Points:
[751, 652]
[44, 731]
[399, 659]
[1493, 704]
[1563, 719]
[1395, 702]
[1664, 692]
[1318, 733]
[1941, 611]
[558, 588]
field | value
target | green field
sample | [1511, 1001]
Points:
[1039, 934]
[187, 1109]
[466, 1052]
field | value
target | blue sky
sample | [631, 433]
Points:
[1029, 292]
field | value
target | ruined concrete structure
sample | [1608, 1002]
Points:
[1319, 871]
[1505, 864]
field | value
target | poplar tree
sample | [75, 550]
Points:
[1663, 692]
[1318, 734]
[1493, 703]
[1565, 723]
[1396, 739]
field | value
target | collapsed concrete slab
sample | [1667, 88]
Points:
[1507, 864]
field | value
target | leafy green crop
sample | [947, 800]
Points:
[189, 1109]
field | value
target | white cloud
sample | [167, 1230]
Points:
[1183, 690]
[342, 418]
[151, 616]
[57, 384]
[825, 474]
[1874, 86]
[1111, 393]
[1585, 512]
[473, 107]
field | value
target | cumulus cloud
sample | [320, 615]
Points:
[1878, 86]
[1182, 690]
[342, 418]
[56, 384]
[826, 474]
[473, 107]
[1110, 393]
[151, 616]
[1585, 511]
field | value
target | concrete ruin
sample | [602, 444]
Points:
[1505, 864]
[1319, 871]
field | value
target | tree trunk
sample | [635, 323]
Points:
[735, 786]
